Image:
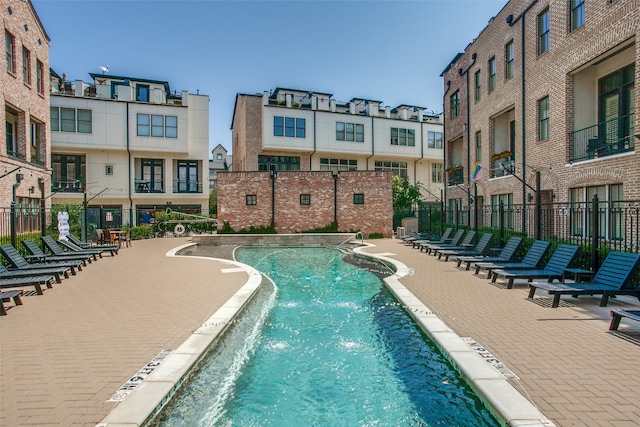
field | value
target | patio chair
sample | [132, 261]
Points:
[453, 240]
[36, 281]
[19, 263]
[466, 243]
[507, 253]
[614, 274]
[7, 296]
[479, 249]
[55, 249]
[125, 239]
[532, 259]
[39, 256]
[562, 258]
[617, 315]
[77, 249]
[446, 234]
[84, 245]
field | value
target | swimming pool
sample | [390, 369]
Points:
[326, 345]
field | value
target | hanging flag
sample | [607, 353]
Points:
[476, 171]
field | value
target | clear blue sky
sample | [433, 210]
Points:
[391, 51]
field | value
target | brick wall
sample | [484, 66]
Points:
[374, 216]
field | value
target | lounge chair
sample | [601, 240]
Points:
[466, 243]
[444, 238]
[38, 255]
[453, 240]
[18, 262]
[561, 259]
[479, 249]
[77, 249]
[614, 274]
[55, 249]
[617, 315]
[36, 281]
[84, 245]
[7, 296]
[532, 259]
[508, 253]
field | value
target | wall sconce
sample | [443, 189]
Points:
[32, 189]
[19, 177]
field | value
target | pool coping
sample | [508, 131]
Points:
[146, 400]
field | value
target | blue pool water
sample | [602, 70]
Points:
[328, 345]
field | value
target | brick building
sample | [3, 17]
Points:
[24, 116]
[547, 86]
[297, 201]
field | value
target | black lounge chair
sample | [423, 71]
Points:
[507, 254]
[614, 274]
[561, 259]
[453, 240]
[19, 263]
[36, 281]
[479, 249]
[7, 296]
[445, 237]
[39, 256]
[70, 247]
[53, 247]
[617, 315]
[84, 245]
[532, 259]
[466, 243]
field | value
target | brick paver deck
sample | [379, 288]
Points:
[64, 353]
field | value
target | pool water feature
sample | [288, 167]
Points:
[325, 344]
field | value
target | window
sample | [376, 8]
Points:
[10, 44]
[289, 127]
[68, 172]
[152, 177]
[26, 66]
[336, 165]
[437, 170]
[455, 104]
[577, 14]
[142, 93]
[543, 32]
[508, 60]
[492, 74]
[400, 136]
[305, 199]
[71, 120]
[478, 79]
[157, 126]
[108, 170]
[434, 139]
[478, 146]
[358, 199]
[188, 177]
[507, 205]
[349, 132]
[251, 199]
[278, 163]
[12, 149]
[543, 119]
[219, 156]
[40, 77]
[37, 137]
[610, 212]
[397, 168]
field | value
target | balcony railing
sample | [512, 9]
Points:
[614, 136]
[187, 186]
[503, 167]
[456, 175]
[149, 186]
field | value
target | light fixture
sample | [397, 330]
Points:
[19, 177]
[32, 189]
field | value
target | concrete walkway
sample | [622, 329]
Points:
[63, 354]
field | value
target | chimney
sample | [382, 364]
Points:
[332, 105]
[352, 108]
[265, 97]
[387, 112]
[314, 102]
[288, 99]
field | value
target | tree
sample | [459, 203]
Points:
[213, 201]
[406, 197]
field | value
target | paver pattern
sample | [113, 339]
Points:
[64, 353]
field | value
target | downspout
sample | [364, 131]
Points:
[468, 131]
[129, 169]
[273, 199]
[373, 149]
[314, 139]
[335, 197]
[444, 148]
[511, 23]
[415, 162]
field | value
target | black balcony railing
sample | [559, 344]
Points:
[614, 136]
[456, 175]
[187, 186]
[149, 186]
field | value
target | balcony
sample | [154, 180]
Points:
[149, 186]
[604, 139]
[187, 186]
[455, 175]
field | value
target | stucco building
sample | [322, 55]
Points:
[547, 86]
